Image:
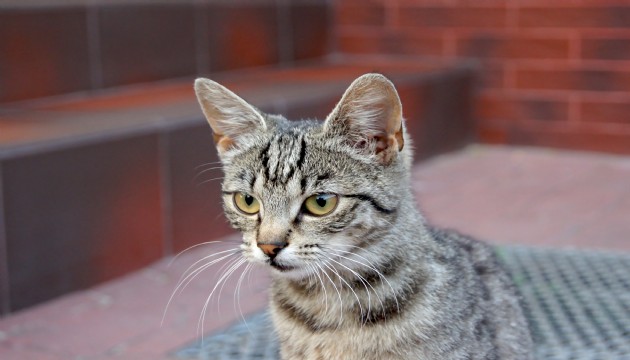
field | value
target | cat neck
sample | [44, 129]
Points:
[369, 283]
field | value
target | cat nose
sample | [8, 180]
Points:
[272, 249]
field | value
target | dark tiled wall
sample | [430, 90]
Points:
[80, 216]
[194, 187]
[243, 36]
[59, 49]
[43, 52]
[140, 43]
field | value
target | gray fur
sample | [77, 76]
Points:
[371, 280]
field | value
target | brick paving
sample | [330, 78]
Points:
[527, 196]
[530, 196]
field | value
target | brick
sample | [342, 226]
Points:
[606, 48]
[492, 76]
[489, 46]
[408, 44]
[602, 111]
[582, 79]
[577, 138]
[617, 16]
[452, 17]
[518, 108]
[365, 14]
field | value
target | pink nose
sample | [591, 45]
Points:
[273, 249]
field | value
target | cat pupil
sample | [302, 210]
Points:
[321, 201]
[249, 200]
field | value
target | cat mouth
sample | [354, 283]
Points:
[281, 267]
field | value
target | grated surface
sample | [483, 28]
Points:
[577, 302]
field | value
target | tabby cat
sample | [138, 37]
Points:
[357, 272]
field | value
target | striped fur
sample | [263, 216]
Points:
[371, 280]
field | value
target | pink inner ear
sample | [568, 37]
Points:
[223, 142]
[382, 143]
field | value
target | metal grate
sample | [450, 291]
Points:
[577, 302]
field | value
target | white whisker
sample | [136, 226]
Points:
[207, 164]
[373, 268]
[170, 263]
[213, 179]
[206, 258]
[205, 171]
[332, 268]
[183, 282]
[237, 295]
[323, 286]
[363, 282]
[200, 325]
[338, 293]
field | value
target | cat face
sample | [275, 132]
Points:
[304, 193]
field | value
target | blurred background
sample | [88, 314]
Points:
[107, 165]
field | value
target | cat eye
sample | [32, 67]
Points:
[246, 203]
[320, 204]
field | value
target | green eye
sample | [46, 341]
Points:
[321, 204]
[246, 203]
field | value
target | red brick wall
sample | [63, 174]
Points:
[554, 73]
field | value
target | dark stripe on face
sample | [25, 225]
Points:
[302, 154]
[303, 185]
[264, 159]
[373, 202]
[321, 178]
[296, 166]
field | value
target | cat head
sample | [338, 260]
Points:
[305, 192]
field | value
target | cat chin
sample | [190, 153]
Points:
[291, 272]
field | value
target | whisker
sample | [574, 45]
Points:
[206, 258]
[208, 164]
[193, 274]
[205, 171]
[323, 286]
[183, 283]
[363, 282]
[207, 181]
[338, 293]
[361, 277]
[219, 294]
[200, 325]
[190, 248]
[372, 267]
[332, 268]
[237, 295]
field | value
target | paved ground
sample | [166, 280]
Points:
[504, 195]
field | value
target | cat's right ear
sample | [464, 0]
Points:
[229, 116]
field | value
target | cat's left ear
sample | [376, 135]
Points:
[369, 116]
[230, 117]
